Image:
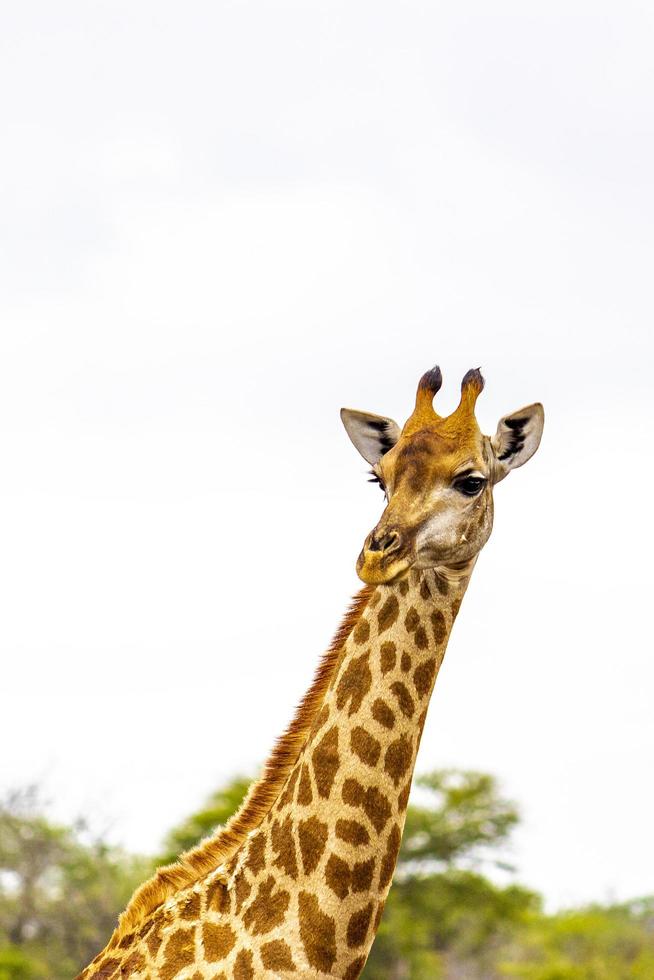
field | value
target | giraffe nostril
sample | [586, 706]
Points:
[388, 542]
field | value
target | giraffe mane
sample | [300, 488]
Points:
[213, 851]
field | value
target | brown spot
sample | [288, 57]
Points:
[390, 857]
[287, 795]
[192, 908]
[218, 897]
[337, 875]
[352, 831]
[318, 933]
[276, 955]
[268, 908]
[179, 952]
[438, 625]
[354, 684]
[362, 873]
[412, 619]
[456, 605]
[321, 718]
[357, 927]
[153, 942]
[304, 794]
[106, 970]
[374, 599]
[404, 699]
[398, 758]
[383, 714]
[378, 915]
[377, 808]
[313, 837]
[352, 792]
[405, 663]
[423, 676]
[126, 941]
[424, 590]
[326, 761]
[404, 587]
[361, 631]
[388, 614]
[218, 941]
[354, 969]
[387, 656]
[284, 846]
[256, 853]
[403, 798]
[242, 891]
[365, 746]
[244, 966]
[420, 638]
[442, 585]
[373, 802]
[133, 964]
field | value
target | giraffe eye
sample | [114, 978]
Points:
[469, 485]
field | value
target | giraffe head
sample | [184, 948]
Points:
[438, 475]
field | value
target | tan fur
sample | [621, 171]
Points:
[214, 851]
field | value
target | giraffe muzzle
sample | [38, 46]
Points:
[383, 557]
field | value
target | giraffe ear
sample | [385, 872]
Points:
[517, 438]
[372, 435]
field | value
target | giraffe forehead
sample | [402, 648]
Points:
[432, 454]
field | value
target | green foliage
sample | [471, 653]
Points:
[593, 943]
[60, 892]
[462, 815]
[446, 924]
[17, 965]
[218, 809]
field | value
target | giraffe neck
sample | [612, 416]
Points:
[317, 871]
[301, 891]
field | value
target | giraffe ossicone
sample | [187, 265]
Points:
[295, 883]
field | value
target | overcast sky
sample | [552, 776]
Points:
[223, 221]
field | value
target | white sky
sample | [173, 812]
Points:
[220, 223]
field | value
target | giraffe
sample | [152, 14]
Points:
[295, 883]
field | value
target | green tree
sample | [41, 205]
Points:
[60, 891]
[462, 816]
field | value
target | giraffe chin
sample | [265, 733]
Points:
[375, 571]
